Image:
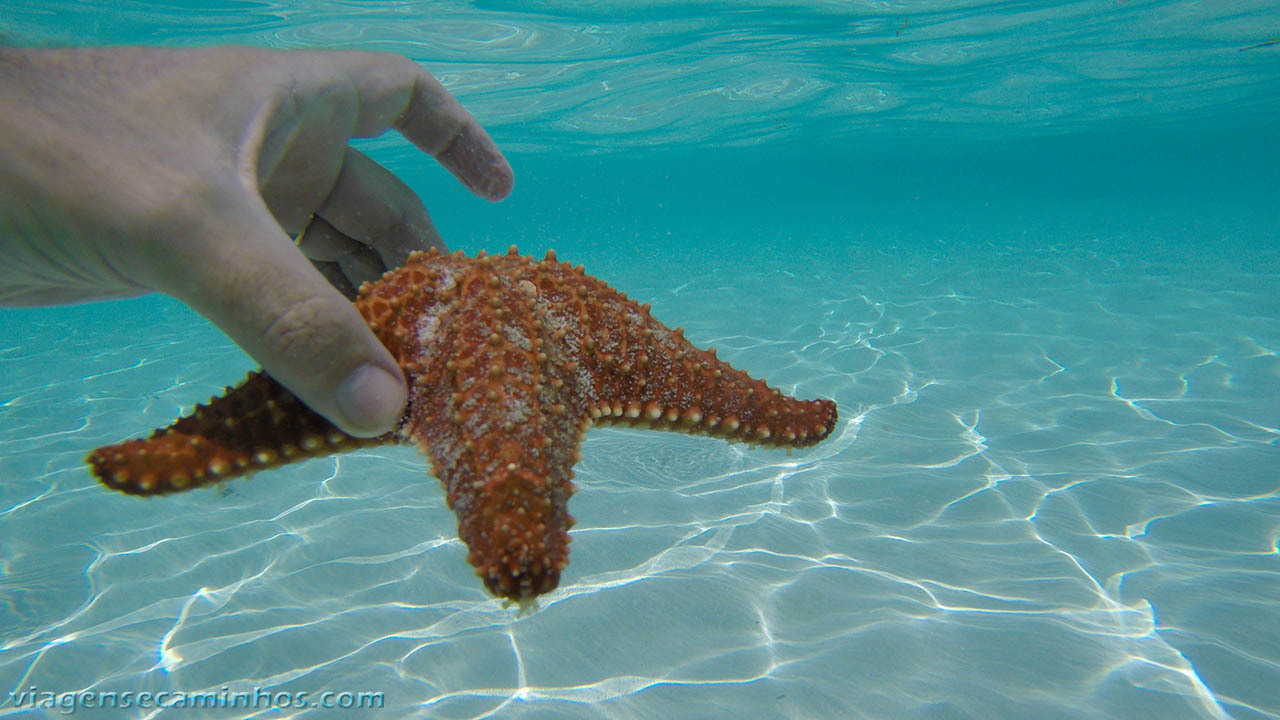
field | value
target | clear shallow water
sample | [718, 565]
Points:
[557, 75]
[1053, 491]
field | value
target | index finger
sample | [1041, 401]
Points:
[395, 91]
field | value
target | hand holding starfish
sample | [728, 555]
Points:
[130, 170]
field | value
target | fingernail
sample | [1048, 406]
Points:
[370, 400]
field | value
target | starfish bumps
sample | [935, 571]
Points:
[509, 361]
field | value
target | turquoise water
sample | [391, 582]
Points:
[1031, 249]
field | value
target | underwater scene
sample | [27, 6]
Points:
[1029, 251]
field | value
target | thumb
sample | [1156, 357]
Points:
[248, 278]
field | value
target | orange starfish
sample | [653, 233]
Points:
[508, 360]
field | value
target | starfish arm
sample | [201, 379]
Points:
[492, 412]
[643, 373]
[508, 482]
[254, 426]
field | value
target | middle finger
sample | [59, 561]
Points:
[371, 205]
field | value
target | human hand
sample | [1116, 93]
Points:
[128, 170]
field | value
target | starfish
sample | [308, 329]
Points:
[509, 360]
